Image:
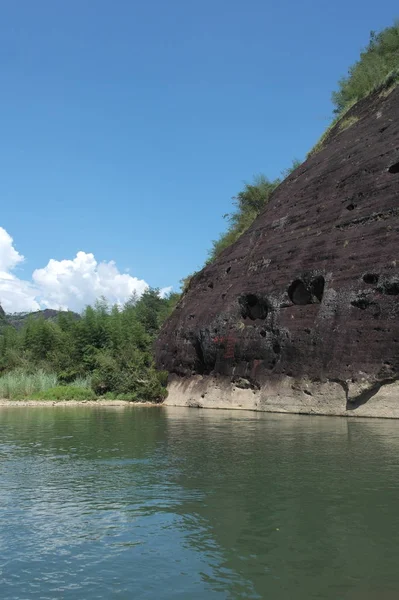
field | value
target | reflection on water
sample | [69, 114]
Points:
[176, 503]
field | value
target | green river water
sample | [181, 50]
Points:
[165, 503]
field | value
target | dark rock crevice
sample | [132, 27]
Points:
[391, 212]
[298, 293]
[366, 302]
[307, 290]
[394, 169]
[371, 278]
[389, 286]
[253, 307]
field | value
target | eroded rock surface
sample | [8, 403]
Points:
[310, 293]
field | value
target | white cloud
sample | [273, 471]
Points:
[78, 282]
[16, 295]
[163, 292]
[63, 284]
[9, 257]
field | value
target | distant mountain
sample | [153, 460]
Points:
[17, 320]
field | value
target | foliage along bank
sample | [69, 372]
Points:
[107, 352]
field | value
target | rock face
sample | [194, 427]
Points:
[301, 314]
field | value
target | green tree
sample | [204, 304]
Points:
[249, 202]
[111, 346]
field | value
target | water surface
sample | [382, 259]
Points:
[167, 503]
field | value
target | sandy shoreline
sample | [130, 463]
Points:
[4, 402]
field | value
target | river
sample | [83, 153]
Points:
[169, 503]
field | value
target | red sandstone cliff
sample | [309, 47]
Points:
[302, 312]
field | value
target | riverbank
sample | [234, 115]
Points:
[287, 395]
[5, 402]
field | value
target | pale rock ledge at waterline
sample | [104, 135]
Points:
[301, 314]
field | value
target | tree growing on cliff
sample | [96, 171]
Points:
[249, 203]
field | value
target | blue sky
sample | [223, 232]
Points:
[128, 126]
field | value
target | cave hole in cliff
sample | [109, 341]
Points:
[370, 278]
[200, 363]
[203, 364]
[228, 270]
[351, 206]
[317, 287]
[303, 293]
[362, 302]
[253, 307]
[391, 288]
[276, 348]
[299, 293]
[394, 169]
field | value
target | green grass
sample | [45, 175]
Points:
[82, 382]
[378, 62]
[346, 123]
[130, 397]
[319, 145]
[18, 384]
[65, 392]
[377, 70]
[385, 88]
